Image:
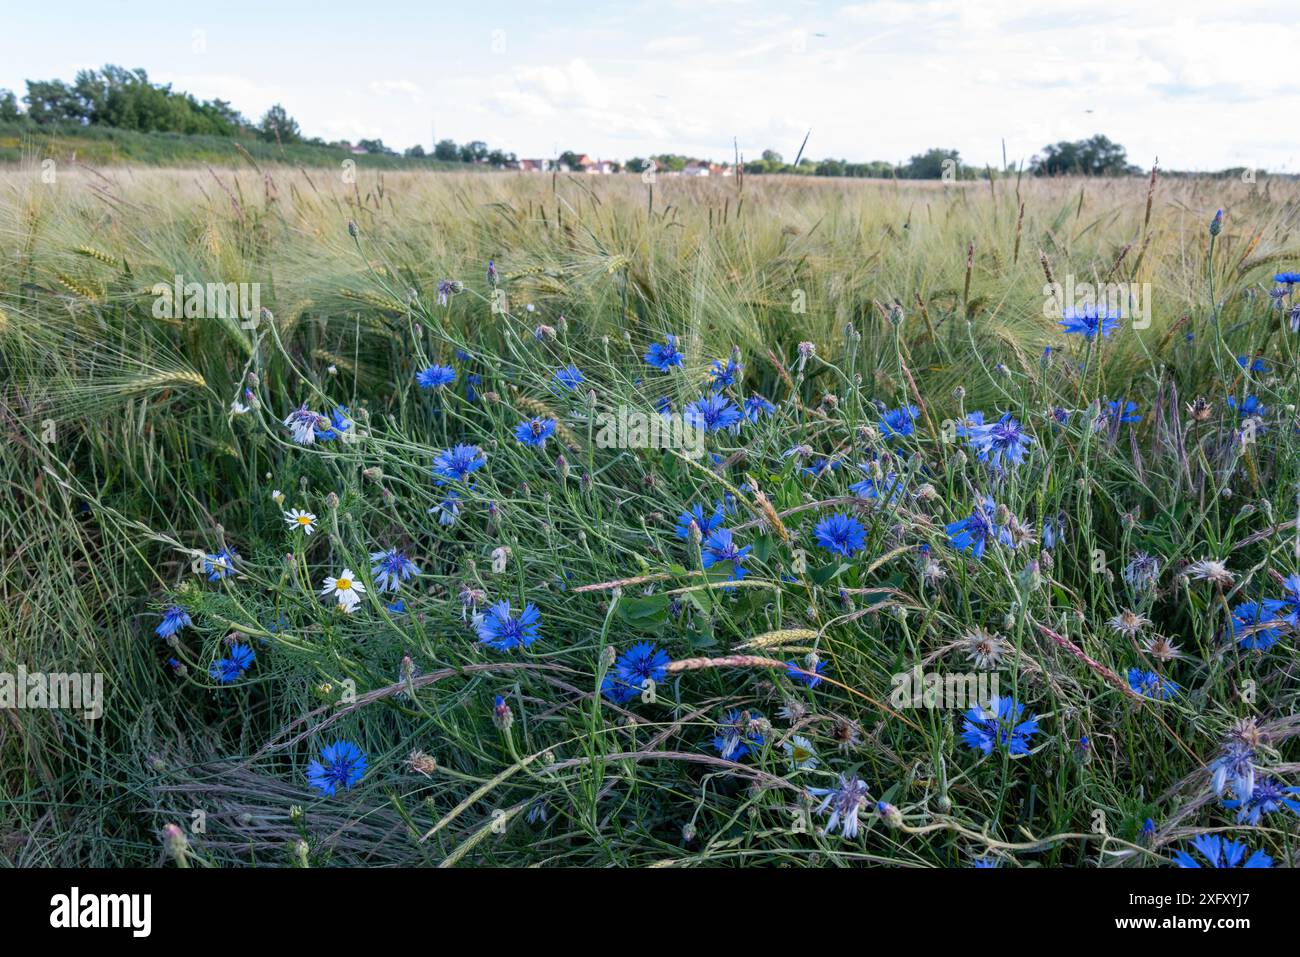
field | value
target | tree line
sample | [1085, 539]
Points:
[126, 99]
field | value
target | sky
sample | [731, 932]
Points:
[1200, 84]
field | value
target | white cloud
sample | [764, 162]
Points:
[395, 87]
[673, 45]
[1199, 83]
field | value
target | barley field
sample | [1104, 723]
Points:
[395, 566]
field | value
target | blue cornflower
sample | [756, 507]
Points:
[1003, 441]
[973, 534]
[570, 377]
[535, 432]
[1151, 685]
[221, 564]
[968, 426]
[448, 510]
[1269, 795]
[1252, 623]
[1252, 364]
[457, 463]
[1250, 406]
[1124, 411]
[435, 377]
[341, 765]
[705, 524]
[303, 423]
[887, 489]
[756, 406]
[1234, 767]
[900, 421]
[841, 534]
[446, 289]
[725, 374]
[1088, 321]
[1142, 572]
[664, 355]
[502, 716]
[664, 405]
[472, 382]
[1291, 603]
[983, 863]
[338, 424]
[642, 663]
[821, 465]
[1221, 853]
[737, 733]
[1148, 830]
[720, 547]
[711, 413]
[845, 802]
[173, 620]
[226, 670]
[999, 727]
[807, 672]
[396, 607]
[499, 629]
[391, 568]
[1053, 531]
[1287, 278]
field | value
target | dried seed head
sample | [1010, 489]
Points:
[1128, 623]
[983, 648]
[1161, 648]
[421, 763]
[1211, 570]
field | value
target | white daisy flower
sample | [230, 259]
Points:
[297, 518]
[801, 753]
[346, 588]
[277, 496]
[237, 407]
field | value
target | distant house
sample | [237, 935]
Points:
[534, 165]
[358, 150]
[719, 169]
[696, 169]
[602, 166]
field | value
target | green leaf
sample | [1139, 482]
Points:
[645, 614]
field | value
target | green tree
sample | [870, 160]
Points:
[446, 150]
[8, 107]
[278, 125]
[1097, 156]
[931, 164]
[50, 101]
[473, 152]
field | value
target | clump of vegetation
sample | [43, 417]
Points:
[393, 568]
